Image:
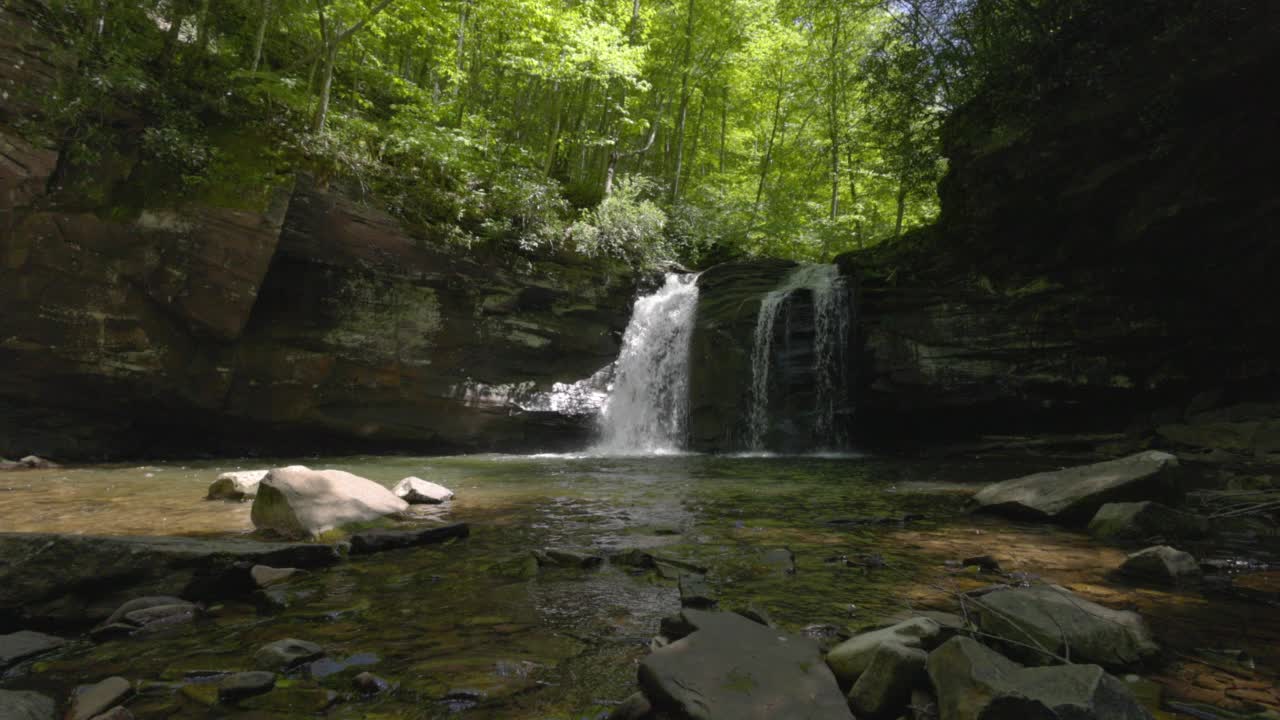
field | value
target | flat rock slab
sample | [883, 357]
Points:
[93, 700]
[373, 541]
[1045, 623]
[24, 644]
[285, 654]
[78, 580]
[974, 682]
[25, 705]
[238, 686]
[730, 668]
[1074, 495]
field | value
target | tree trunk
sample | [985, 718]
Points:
[724, 125]
[766, 160]
[171, 38]
[902, 207]
[264, 7]
[202, 32]
[684, 102]
[326, 85]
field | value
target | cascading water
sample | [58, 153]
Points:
[648, 405]
[831, 323]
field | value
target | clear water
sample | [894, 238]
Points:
[471, 630]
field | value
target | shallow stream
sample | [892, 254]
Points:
[474, 629]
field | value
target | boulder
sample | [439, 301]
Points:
[1044, 624]
[285, 654]
[93, 700]
[239, 485]
[372, 541]
[25, 705]
[1138, 520]
[974, 682]
[238, 686]
[850, 659]
[16, 647]
[299, 502]
[1162, 564]
[730, 668]
[416, 491]
[884, 688]
[1075, 494]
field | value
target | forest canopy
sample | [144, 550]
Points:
[652, 130]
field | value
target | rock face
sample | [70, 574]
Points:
[976, 683]
[1137, 520]
[300, 502]
[1046, 623]
[95, 575]
[1162, 564]
[241, 485]
[414, 490]
[720, 361]
[731, 668]
[1076, 494]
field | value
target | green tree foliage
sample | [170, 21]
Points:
[654, 130]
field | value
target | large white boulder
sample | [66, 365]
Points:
[237, 485]
[297, 501]
[1075, 494]
[416, 491]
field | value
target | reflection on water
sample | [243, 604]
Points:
[475, 630]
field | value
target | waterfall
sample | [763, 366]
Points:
[831, 324]
[648, 403]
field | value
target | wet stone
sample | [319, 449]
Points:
[238, 686]
[374, 541]
[19, 646]
[556, 557]
[116, 713]
[285, 654]
[143, 603]
[366, 683]
[92, 700]
[696, 592]
[266, 576]
[25, 705]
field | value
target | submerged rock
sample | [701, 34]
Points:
[1138, 520]
[415, 490]
[300, 502]
[1162, 564]
[730, 668]
[696, 592]
[238, 686]
[366, 683]
[92, 700]
[974, 682]
[25, 705]
[79, 580]
[372, 541]
[238, 485]
[284, 654]
[884, 688]
[24, 644]
[1076, 494]
[850, 659]
[1043, 625]
[556, 557]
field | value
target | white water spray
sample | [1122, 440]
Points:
[648, 406]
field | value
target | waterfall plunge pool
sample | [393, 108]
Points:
[472, 630]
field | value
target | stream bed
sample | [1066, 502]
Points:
[475, 629]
